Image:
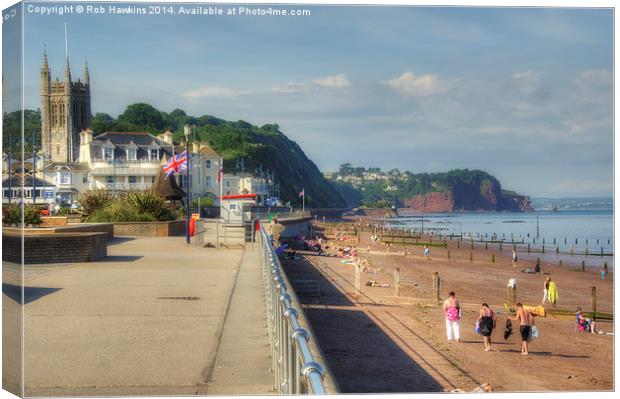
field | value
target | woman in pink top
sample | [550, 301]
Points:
[452, 310]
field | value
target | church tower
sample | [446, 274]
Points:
[65, 112]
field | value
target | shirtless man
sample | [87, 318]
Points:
[526, 321]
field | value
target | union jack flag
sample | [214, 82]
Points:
[177, 164]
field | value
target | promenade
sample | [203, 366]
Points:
[156, 317]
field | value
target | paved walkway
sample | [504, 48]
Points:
[156, 317]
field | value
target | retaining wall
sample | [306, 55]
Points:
[150, 229]
[54, 248]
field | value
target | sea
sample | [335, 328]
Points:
[566, 235]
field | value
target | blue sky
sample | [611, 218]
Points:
[523, 93]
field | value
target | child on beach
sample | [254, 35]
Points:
[604, 271]
[427, 251]
[526, 321]
[486, 321]
[452, 310]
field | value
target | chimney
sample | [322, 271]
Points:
[166, 136]
[86, 136]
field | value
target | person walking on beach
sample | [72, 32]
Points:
[486, 322]
[514, 258]
[452, 310]
[604, 271]
[427, 251]
[526, 321]
[546, 290]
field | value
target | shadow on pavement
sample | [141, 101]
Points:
[31, 294]
[361, 356]
[120, 258]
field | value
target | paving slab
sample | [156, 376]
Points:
[147, 320]
[242, 363]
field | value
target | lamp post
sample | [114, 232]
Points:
[186, 133]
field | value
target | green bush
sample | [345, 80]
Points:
[64, 211]
[32, 216]
[94, 200]
[202, 201]
[11, 215]
[118, 211]
[151, 203]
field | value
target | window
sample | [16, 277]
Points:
[227, 192]
[108, 154]
[232, 207]
[208, 181]
[65, 178]
[152, 179]
[153, 153]
[133, 179]
[208, 164]
[227, 183]
[109, 179]
[132, 154]
[85, 179]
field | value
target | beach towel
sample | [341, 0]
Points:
[553, 292]
[536, 310]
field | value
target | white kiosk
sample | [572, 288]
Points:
[237, 209]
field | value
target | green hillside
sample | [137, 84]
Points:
[264, 146]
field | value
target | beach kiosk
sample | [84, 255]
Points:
[237, 209]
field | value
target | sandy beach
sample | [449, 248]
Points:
[403, 338]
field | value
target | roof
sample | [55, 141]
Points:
[141, 141]
[239, 196]
[27, 182]
[139, 138]
[208, 150]
[166, 186]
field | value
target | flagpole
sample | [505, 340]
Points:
[303, 200]
[187, 205]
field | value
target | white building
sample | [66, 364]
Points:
[245, 184]
[123, 161]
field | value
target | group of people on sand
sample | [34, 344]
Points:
[486, 322]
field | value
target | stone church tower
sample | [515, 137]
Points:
[65, 112]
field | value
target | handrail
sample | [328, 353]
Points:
[296, 370]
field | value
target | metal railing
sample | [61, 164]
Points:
[296, 371]
[282, 215]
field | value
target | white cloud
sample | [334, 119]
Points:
[339, 80]
[212, 92]
[289, 87]
[418, 86]
[527, 82]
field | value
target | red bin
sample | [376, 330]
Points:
[192, 227]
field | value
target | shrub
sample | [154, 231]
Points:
[118, 211]
[202, 201]
[32, 216]
[11, 215]
[94, 200]
[149, 202]
[65, 211]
